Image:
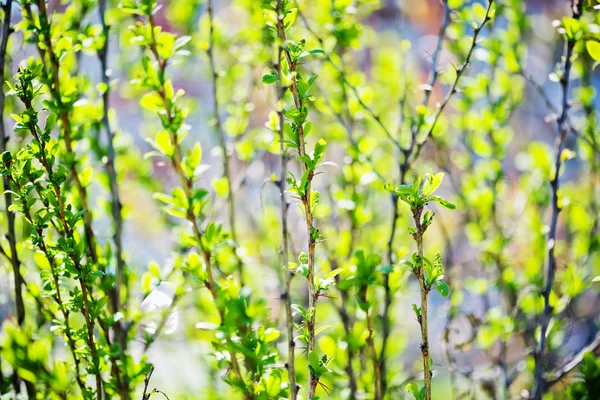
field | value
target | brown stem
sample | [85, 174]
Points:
[116, 206]
[87, 293]
[187, 185]
[221, 138]
[374, 358]
[424, 289]
[54, 88]
[55, 280]
[10, 217]
[416, 150]
[561, 127]
[287, 295]
[310, 277]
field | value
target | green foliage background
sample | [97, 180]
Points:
[191, 186]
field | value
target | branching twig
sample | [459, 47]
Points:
[561, 127]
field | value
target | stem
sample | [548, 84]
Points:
[374, 359]
[562, 128]
[418, 236]
[416, 150]
[87, 293]
[310, 277]
[221, 138]
[187, 186]
[10, 217]
[116, 207]
[287, 295]
[54, 88]
[55, 280]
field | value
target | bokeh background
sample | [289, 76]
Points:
[495, 143]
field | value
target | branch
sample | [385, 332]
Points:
[287, 295]
[353, 88]
[453, 89]
[544, 95]
[573, 363]
[116, 206]
[561, 127]
[221, 137]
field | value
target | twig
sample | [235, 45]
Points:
[561, 127]
[453, 89]
[221, 137]
[116, 206]
[313, 295]
[544, 95]
[187, 185]
[353, 88]
[145, 394]
[10, 217]
[287, 295]
[572, 364]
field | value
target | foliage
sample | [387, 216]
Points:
[240, 189]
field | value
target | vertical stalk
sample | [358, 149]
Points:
[10, 217]
[418, 237]
[116, 206]
[374, 359]
[54, 86]
[562, 128]
[287, 295]
[187, 184]
[67, 231]
[221, 136]
[311, 242]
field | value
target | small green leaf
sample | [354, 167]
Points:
[442, 288]
[270, 78]
[442, 202]
[593, 48]
[413, 389]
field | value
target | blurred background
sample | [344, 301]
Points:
[495, 142]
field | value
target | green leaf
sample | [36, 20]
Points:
[163, 143]
[442, 288]
[270, 78]
[593, 47]
[433, 182]
[442, 202]
[413, 389]
[221, 186]
[152, 102]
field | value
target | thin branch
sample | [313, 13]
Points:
[287, 295]
[353, 88]
[116, 206]
[187, 184]
[544, 95]
[560, 373]
[221, 137]
[561, 127]
[454, 88]
[11, 236]
[313, 295]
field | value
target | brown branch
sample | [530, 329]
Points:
[221, 138]
[11, 236]
[116, 206]
[311, 242]
[187, 186]
[561, 127]
[287, 295]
